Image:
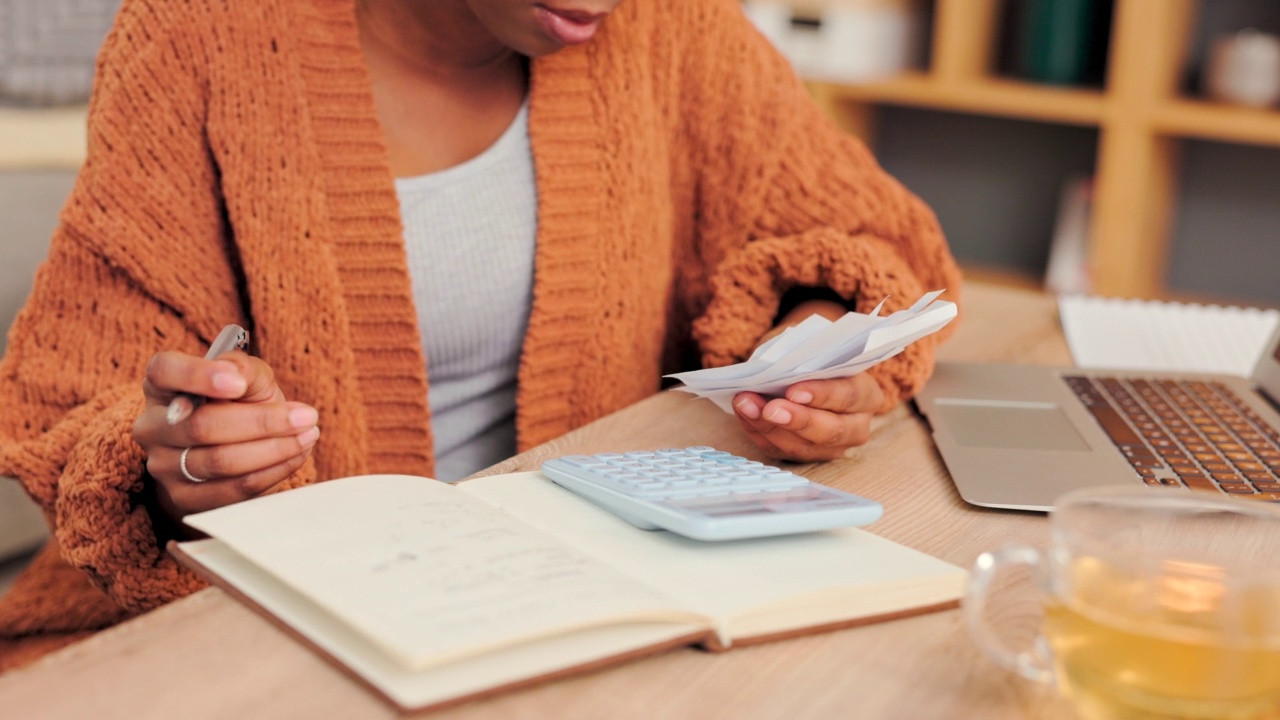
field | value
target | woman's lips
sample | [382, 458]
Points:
[569, 27]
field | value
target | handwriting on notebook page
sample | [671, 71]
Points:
[437, 573]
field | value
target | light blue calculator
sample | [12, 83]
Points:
[708, 494]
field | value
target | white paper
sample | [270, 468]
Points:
[819, 349]
[1153, 335]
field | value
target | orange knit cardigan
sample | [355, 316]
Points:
[236, 173]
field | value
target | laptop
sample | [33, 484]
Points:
[1019, 436]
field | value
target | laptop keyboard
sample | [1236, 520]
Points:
[1195, 434]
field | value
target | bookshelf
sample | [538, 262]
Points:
[1143, 116]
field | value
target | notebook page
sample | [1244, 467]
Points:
[1153, 335]
[427, 573]
[844, 573]
[413, 689]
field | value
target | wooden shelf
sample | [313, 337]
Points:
[1141, 116]
[43, 138]
[1183, 118]
[1215, 121]
[980, 96]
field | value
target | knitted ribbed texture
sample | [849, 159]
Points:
[236, 172]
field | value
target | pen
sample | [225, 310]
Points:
[232, 337]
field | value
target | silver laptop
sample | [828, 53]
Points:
[1019, 436]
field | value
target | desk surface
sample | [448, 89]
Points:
[207, 656]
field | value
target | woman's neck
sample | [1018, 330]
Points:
[438, 37]
[432, 63]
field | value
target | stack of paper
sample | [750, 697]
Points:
[1127, 334]
[818, 349]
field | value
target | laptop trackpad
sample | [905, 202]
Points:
[1020, 427]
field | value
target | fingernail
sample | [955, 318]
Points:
[777, 415]
[229, 382]
[748, 408]
[309, 438]
[303, 417]
[850, 452]
[801, 397]
[179, 409]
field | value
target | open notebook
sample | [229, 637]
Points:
[432, 593]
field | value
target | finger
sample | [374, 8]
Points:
[820, 427]
[232, 461]
[259, 376]
[238, 460]
[797, 426]
[231, 423]
[229, 473]
[748, 405]
[759, 439]
[224, 423]
[785, 445]
[854, 394]
[179, 499]
[169, 373]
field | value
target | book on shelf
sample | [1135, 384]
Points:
[1067, 270]
[431, 593]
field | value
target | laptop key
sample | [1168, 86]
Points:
[1199, 482]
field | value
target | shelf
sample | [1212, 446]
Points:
[988, 96]
[40, 139]
[1186, 118]
[1214, 121]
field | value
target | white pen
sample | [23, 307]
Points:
[232, 337]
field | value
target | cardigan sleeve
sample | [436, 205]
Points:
[140, 262]
[789, 200]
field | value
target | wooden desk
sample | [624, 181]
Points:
[209, 657]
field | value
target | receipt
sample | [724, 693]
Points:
[818, 349]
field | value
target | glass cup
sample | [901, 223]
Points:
[1157, 604]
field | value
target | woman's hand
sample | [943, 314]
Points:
[817, 419]
[241, 442]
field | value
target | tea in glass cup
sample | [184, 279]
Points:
[1157, 604]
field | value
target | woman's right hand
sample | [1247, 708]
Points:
[244, 440]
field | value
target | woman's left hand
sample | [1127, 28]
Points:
[817, 420]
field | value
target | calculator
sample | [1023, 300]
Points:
[707, 494]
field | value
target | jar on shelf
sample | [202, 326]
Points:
[843, 40]
[1244, 68]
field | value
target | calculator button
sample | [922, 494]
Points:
[707, 494]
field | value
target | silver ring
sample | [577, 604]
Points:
[182, 465]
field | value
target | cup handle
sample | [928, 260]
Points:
[1033, 664]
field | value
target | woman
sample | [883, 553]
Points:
[541, 206]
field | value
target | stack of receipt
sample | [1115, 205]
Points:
[818, 348]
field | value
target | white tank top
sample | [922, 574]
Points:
[469, 236]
